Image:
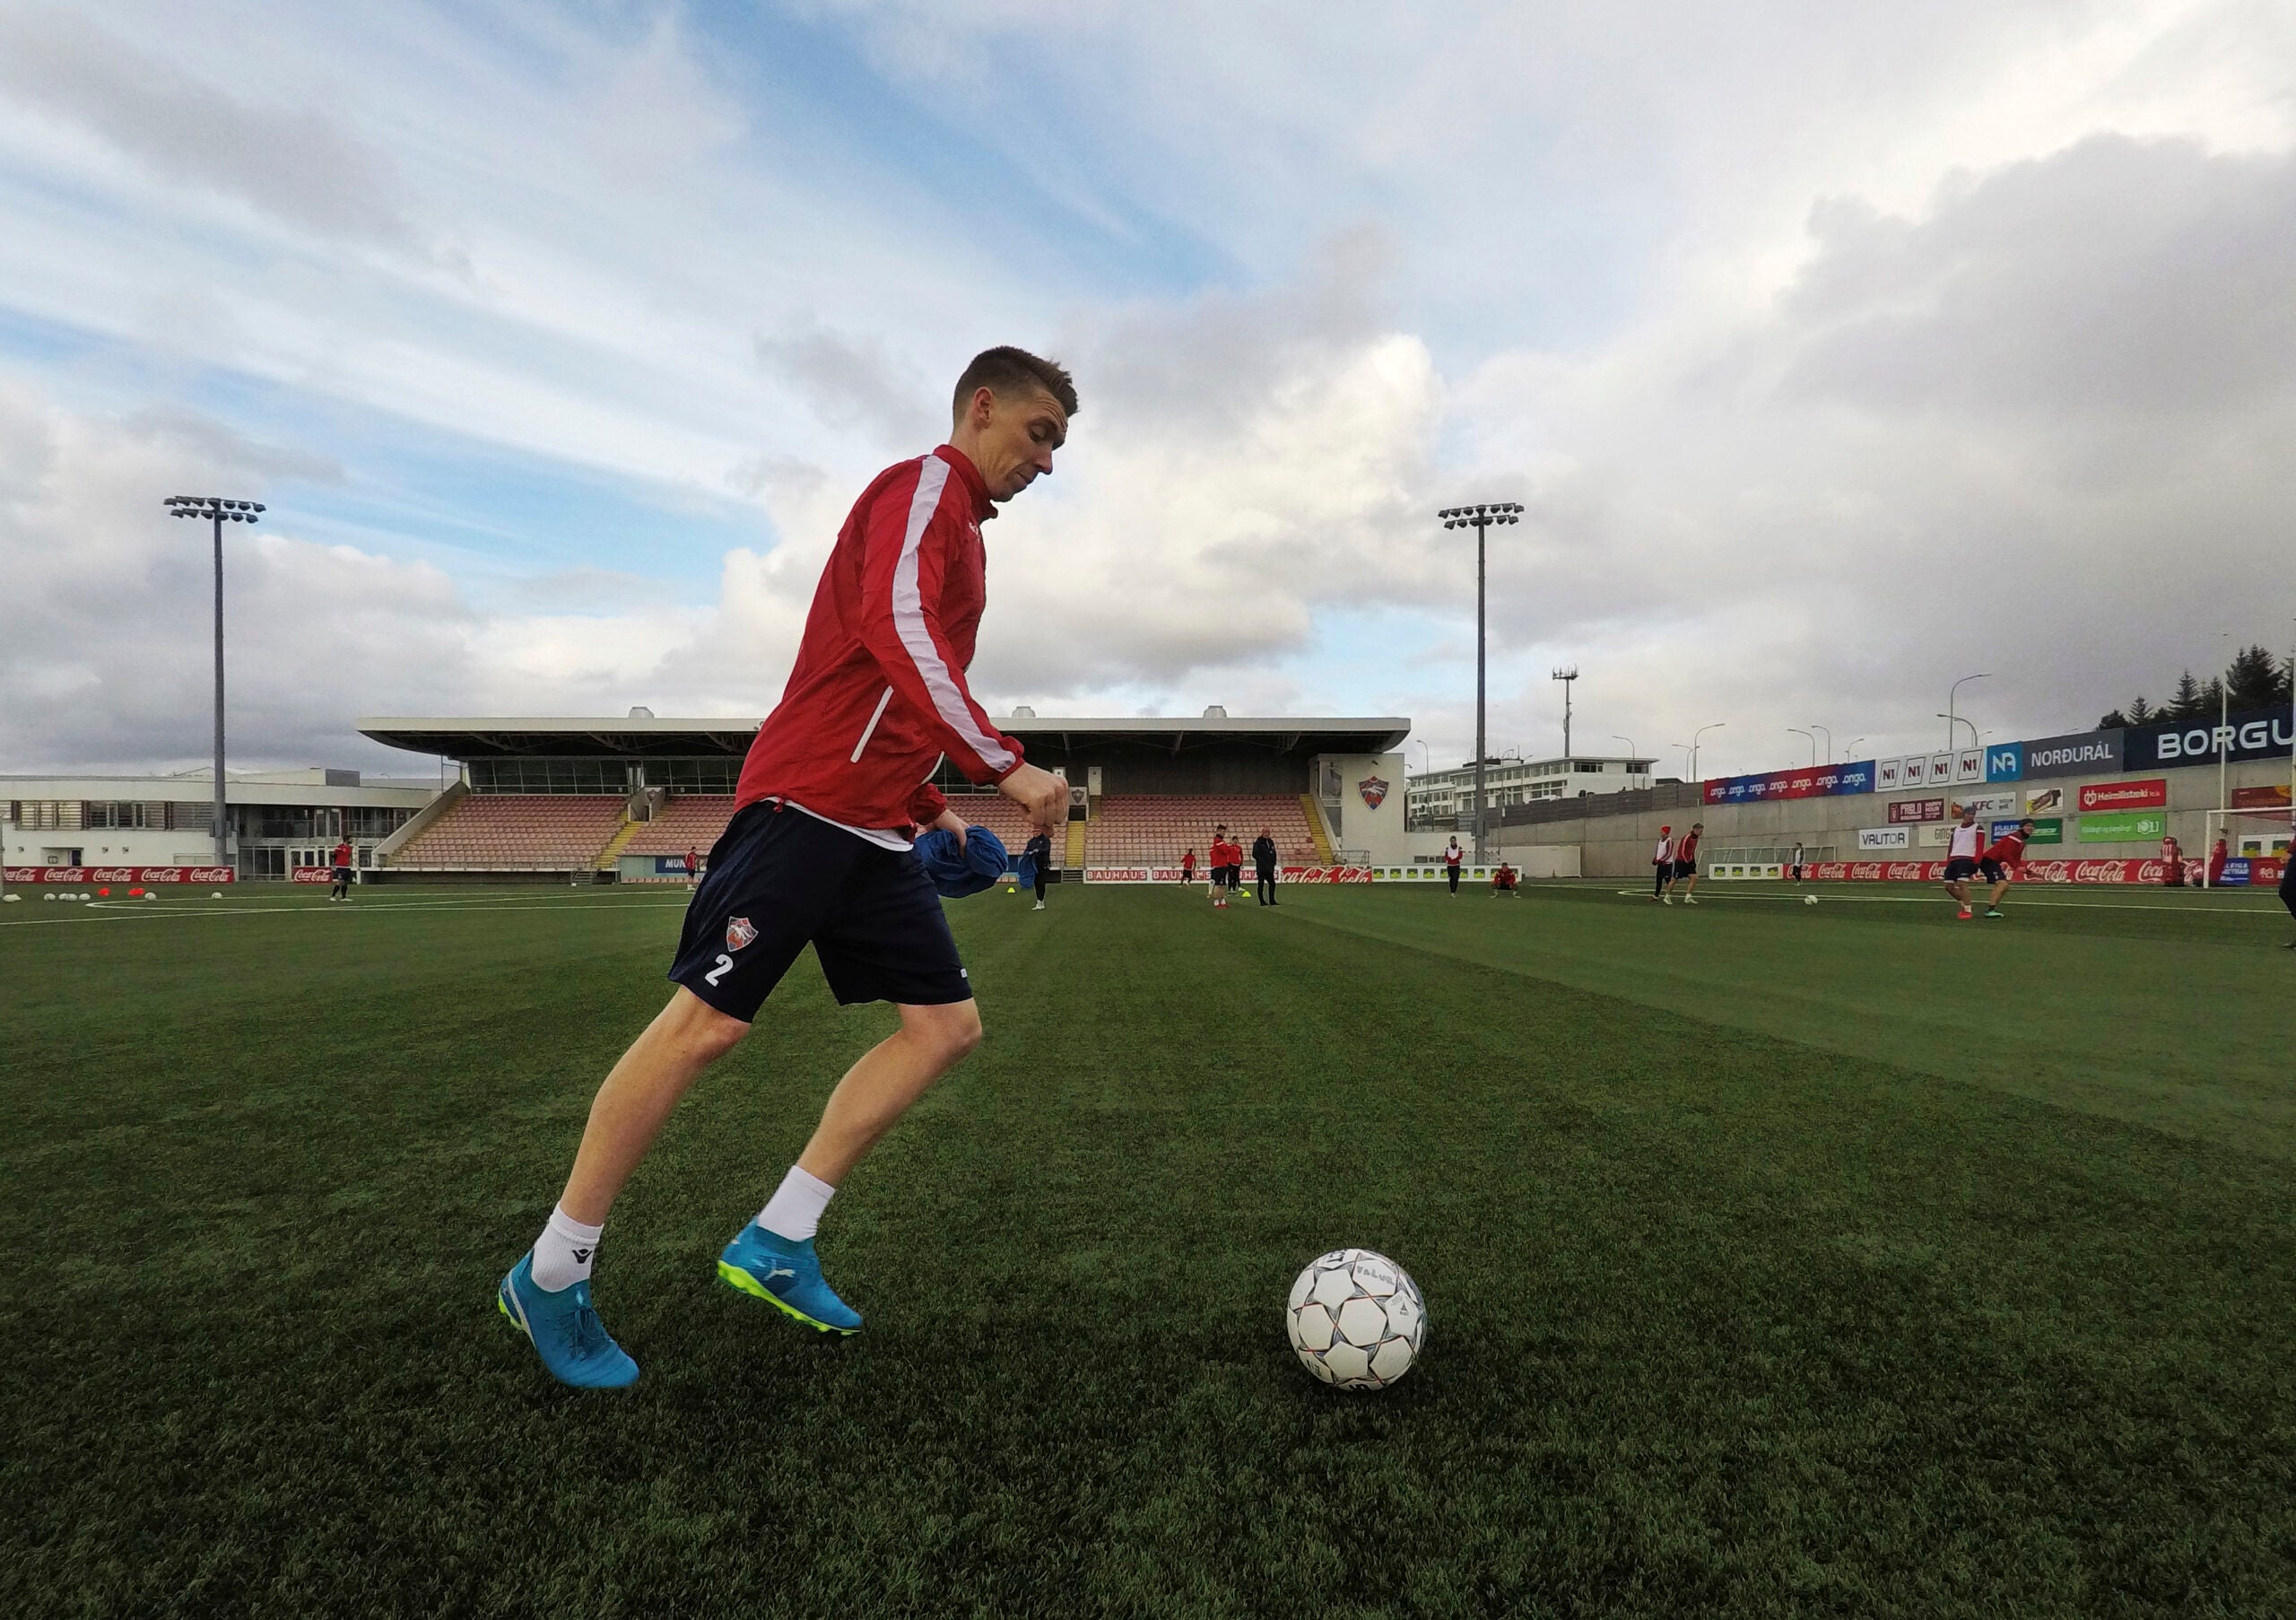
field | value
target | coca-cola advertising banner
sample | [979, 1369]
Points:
[2151, 794]
[2031, 871]
[121, 875]
[1811, 781]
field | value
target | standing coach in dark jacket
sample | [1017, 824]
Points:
[1264, 858]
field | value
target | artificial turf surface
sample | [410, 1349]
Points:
[1779, 1260]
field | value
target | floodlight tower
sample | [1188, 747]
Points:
[1566, 674]
[1479, 519]
[220, 512]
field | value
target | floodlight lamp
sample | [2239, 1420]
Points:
[259, 506]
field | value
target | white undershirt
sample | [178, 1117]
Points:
[883, 838]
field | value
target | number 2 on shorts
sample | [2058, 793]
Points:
[724, 966]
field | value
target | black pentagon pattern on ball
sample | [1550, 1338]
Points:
[1356, 1319]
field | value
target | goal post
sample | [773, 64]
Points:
[2249, 836]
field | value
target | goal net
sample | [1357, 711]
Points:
[2255, 847]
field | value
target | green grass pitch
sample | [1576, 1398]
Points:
[1833, 1260]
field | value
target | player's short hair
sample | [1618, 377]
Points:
[1008, 372]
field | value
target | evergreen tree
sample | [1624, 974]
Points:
[2254, 678]
[2212, 698]
[2112, 719]
[2141, 713]
[2189, 702]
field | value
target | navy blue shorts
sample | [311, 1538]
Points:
[1960, 869]
[778, 881]
[1995, 872]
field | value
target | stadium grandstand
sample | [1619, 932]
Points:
[622, 800]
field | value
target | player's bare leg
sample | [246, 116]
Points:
[773, 1258]
[685, 1037]
[889, 1078]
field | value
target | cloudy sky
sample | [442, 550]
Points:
[1834, 354]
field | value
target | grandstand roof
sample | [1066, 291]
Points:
[513, 736]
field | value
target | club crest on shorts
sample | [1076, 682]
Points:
[1373, 790]
[739, 932]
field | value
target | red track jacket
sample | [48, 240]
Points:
[878, 694]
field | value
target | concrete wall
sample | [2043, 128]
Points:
[1382, 833]
[1620, 845]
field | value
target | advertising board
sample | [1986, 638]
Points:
[1810, 782]
[1934, 835]
[2151, 794]
[2272, 795]
[1889, 775]
[1940, 771]
[211, 875]
[2033, 871]
[1918, 810]
[1871, 838]
[1983, 803]
[2046, 830]
[2253, 734]
[2004, 762]
[1969, 765]
[2123, 826]
[2075, 753]
[2040, 801]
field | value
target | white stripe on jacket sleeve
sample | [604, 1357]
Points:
[909, 622]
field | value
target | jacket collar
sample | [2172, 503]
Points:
[983, 509]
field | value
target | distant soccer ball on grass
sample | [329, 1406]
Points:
[1356, 1319]
[1809, 900]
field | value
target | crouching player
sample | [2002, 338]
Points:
[1502, 882]
[818, 853]
[2003, 857]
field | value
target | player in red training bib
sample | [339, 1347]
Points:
[817, 854]
[2002, 857]
[340, 889]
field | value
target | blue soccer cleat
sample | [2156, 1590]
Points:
[785, 1273]
[566, 1334]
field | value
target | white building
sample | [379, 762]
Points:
[279, 820]
[1447, 797]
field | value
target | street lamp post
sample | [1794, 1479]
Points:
[1694, 736]
[1850, 753]
[1631, 755]
[1479, 519]
[1797, 731]
[220, 512]
[1566, 674]
[1952, 706]
[1952, 721]
[1828, 733]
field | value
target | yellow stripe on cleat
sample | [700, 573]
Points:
[749, 1285]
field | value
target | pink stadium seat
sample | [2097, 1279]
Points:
[689, 822]
[514, 832]
[1154, 829]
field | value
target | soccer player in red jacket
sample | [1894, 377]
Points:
[2003, 857]
[818, 853]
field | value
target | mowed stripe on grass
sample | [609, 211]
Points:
[1720, 1323]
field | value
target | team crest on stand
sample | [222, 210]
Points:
[1373, 790]
[739, 932]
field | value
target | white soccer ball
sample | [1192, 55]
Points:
[48, 897]
[1356, 1319]
[12, 899]
[217, 895]
[148, 895]
[1809, 900]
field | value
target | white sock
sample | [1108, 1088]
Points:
[795, 1209]
[565, 1252]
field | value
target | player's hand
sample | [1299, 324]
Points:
[949, 821]
[1040, 793]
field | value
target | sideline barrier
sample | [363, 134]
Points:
[121, 875]
[2149, 871]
